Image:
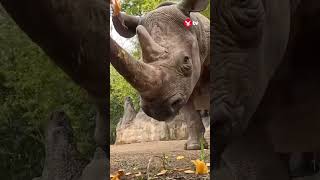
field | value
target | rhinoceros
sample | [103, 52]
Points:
[173, 73]
[264, 85]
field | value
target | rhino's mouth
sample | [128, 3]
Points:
[166, 110]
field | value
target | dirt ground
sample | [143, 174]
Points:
[135, 158]
[143, 160]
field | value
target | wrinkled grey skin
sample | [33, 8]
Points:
[173, 74]
[264, 85]
[63, 161]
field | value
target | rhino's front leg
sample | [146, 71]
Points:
[102, 125]
[195, 128]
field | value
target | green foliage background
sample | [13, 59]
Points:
[31, 87]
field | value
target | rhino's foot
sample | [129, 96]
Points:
[195, 145]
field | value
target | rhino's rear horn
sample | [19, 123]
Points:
[150, 49]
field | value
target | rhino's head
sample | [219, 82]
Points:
[171, 65]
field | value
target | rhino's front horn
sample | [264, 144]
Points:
[143, 77]
[150, 49]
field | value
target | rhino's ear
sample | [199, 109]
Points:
[188, 6]
[125, 24]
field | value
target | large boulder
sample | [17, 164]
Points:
[141, 128]
[136, 127]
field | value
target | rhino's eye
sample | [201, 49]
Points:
[186, 67]
[186, 59]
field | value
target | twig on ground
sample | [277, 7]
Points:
[164, 161]
[148, 167]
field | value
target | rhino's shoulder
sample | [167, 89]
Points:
[202, 31]
[201, 94]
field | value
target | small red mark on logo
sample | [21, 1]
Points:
[187, 23]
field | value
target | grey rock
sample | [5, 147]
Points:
[141, 129]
